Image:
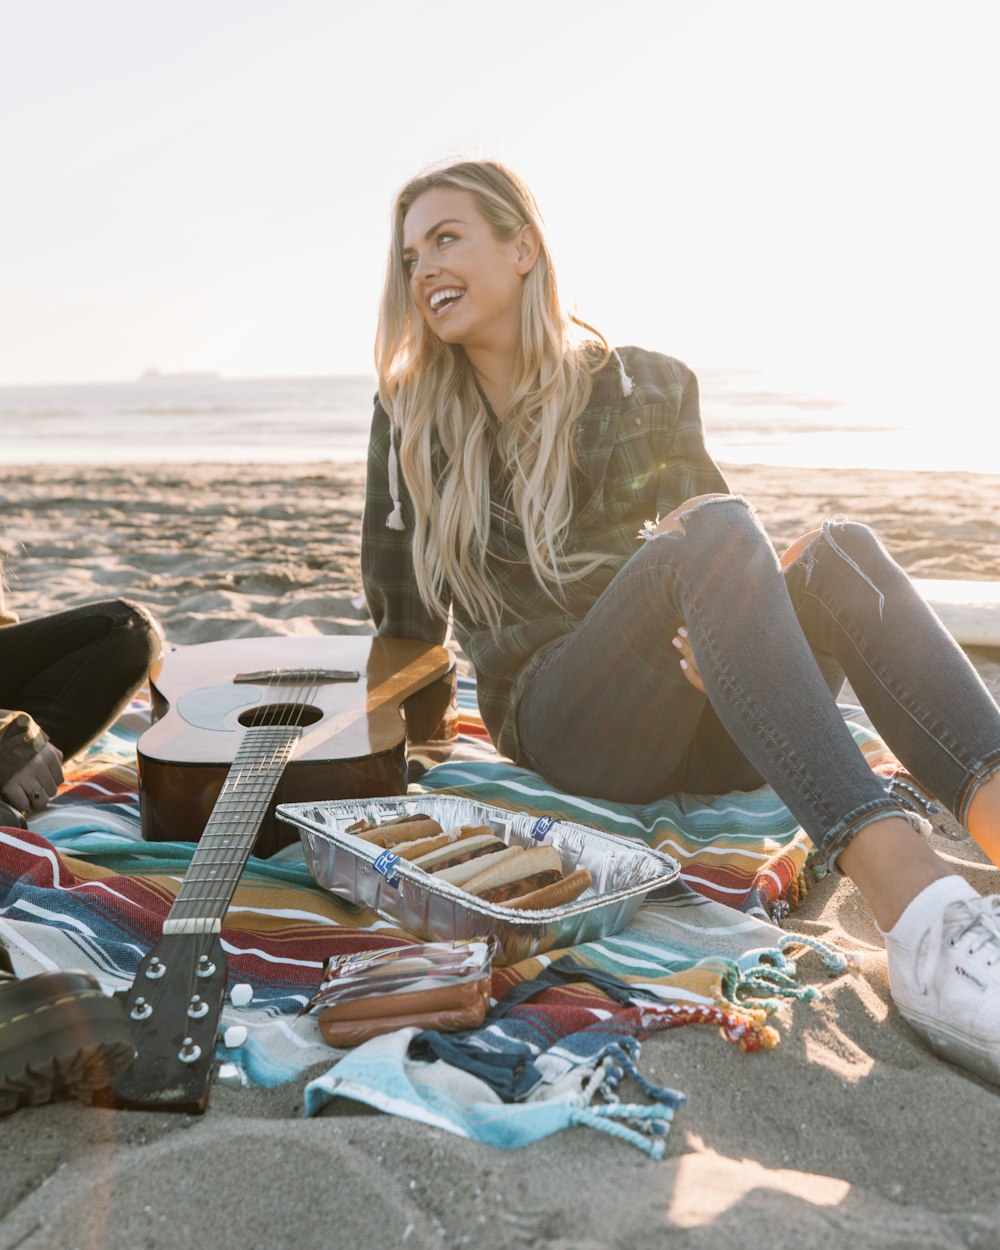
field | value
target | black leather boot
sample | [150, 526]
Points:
[60, 1035]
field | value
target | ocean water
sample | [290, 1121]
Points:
[188, 418]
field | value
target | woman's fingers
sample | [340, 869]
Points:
[50, 759]
[688, 664]
[36, 782]
[15, 796]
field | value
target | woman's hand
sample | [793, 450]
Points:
[31, 787]
[688, 665]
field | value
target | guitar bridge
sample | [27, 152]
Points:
[296, 676]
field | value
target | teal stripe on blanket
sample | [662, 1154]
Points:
[745, 815]
[702, 818]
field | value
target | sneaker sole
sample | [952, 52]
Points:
[980, 1058]
[59, 1036]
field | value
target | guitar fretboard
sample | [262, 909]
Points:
[225, 846]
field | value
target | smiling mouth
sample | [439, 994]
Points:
[442, 300]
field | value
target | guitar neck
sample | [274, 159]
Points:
[225, 845]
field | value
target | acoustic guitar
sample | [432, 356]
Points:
[241, 726]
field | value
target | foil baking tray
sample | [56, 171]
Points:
[624, 873]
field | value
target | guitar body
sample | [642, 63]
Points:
[353, 739]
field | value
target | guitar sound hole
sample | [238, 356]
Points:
[300, 714]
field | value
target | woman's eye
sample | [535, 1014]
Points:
[409, 264]
[444, 238]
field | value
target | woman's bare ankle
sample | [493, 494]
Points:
[890, 863]
[983, 817]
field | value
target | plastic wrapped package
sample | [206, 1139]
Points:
[431, 985]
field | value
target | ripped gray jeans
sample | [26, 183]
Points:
[610, 713]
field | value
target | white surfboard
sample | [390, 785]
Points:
[969, 611]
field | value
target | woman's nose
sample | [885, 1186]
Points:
[424, 268]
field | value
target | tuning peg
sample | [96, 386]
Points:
[190, 1051]
[229, 1074]
[205, 967]
[234, 1036]
[241, 995]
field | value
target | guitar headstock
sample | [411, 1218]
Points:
[174, 1007]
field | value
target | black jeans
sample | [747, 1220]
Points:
[610, 713]
[74, 671]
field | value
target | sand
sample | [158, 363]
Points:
[849, 1132]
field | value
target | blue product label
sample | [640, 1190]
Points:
[541, 827]
[384, 865]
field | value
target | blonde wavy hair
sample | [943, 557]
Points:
[429, 391]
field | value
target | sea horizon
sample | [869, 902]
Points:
[204, 417]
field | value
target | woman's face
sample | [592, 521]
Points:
[465, 282]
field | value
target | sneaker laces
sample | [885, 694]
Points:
[975, 919]
[979, 917]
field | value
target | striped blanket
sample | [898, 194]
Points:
[742, 849]
[82, 890]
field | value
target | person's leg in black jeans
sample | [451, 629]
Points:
[74, 671]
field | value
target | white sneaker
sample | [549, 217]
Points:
[948, 986]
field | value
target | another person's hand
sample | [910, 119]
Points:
[31, 787]
[688, 665]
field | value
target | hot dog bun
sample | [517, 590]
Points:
[516, 875]
[460, 873]
[459, 852]
[423, 846]
[393, 831]
[558, 894]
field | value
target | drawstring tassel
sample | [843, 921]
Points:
[627, 385]
[395, 518]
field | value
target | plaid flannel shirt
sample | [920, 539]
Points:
[639, 455]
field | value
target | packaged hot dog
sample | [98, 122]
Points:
[446, 1010]
[429, 985]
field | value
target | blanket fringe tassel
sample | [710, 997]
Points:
[605, 1120]
[646, 1124]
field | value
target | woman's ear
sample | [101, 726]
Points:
[528, 247]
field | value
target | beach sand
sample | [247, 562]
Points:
[848, 1132]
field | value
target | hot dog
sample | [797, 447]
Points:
[558, 894]
[459, 852]
[531, 879]
[399, 829]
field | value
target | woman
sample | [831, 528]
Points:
[65, 678]
[511, 471]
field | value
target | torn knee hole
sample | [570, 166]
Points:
[674, 522]
[792, 553]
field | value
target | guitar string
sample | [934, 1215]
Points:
[187, 909]
[262, 770]
[243, 790]
[250, 790]
[255, 778]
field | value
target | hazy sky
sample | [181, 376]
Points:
[807, 189]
